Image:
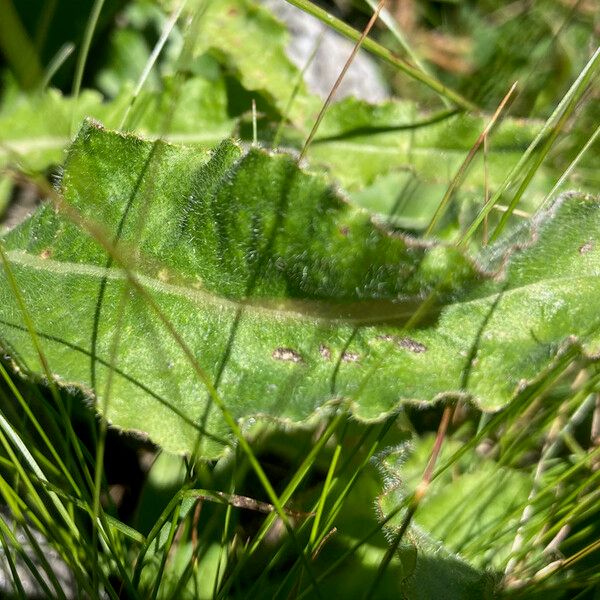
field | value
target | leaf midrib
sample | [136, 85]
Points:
[284, 309]
[307, 310]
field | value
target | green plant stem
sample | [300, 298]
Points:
[416, 499]
[164, 36]
[56, 63]
[39, 429]
[570, 168]
[83, 54]
[460, 174]
[302, 471]
[551, 127]
[338, 81]
[384, 54]
[390, 22]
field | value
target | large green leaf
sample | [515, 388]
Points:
[289, 298]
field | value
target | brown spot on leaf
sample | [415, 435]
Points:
[412, 345]
[325, 352]
[405, 342]
[350, 357]
[386, 337]
[47, 253]
[585, 248]
[287, 354]
[344, 231]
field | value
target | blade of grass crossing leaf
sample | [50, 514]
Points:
[416, 499]
[228, 417]
[513, 410]
[338, 81]
[65, 417]
[565, 107]
[101, 444]
[383, 53]
[536, 163]
[186, 50]
[458, 178]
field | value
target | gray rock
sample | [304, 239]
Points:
[31, 585]
[363, 78]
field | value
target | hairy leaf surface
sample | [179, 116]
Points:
[470, 514]
[289, 298]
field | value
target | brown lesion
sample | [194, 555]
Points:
[325, 352]
[405, 343]
[585, 248]
[349, 357]
[287, 355]
[412, 345]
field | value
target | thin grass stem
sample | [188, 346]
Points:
[340, 77]
[83, 55]
[384, 54]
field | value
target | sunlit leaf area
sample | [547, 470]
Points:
[299, 299]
